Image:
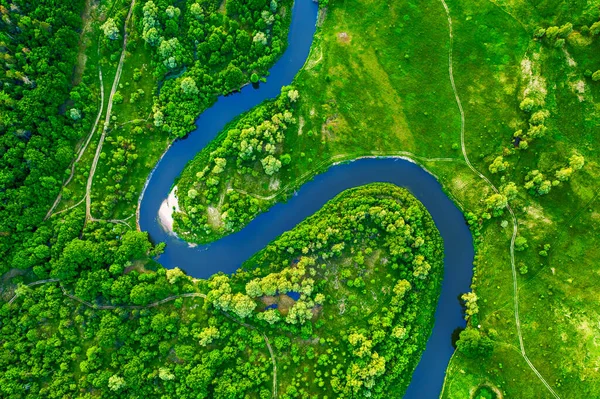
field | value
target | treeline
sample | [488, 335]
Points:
[250, 148]
[41, 118]
[201, 51]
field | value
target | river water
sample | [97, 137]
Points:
[230, 252]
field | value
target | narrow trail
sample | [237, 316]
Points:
[82, 149]
[88, 188]
[274, 394]
[108, 307]
[69, 208]
[116, 221]
[512, 214]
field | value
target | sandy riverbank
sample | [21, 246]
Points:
[165, 213]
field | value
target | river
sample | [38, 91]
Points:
[230, 252]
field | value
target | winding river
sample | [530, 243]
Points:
[229, 253]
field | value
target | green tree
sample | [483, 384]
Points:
[521, 243]
[116, 382]
[576, 161]
[208, 335]
[474, 344]
[110, 29]
[188, 86]
[498, 165]
[242, 305]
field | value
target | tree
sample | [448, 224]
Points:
[152, 37]
[521, 243]
[293, 95]
[565, 30]
[510, 191]
[527, 104]
[116, 382]
[196, 10]
[564, 174]
[253, 288]
[595, 28]
[242, 305]
[271, 164]
[74, 114]
[470, 299]
[271, 316]
[110, 29]
[285, 159]
[220, 164]
[234, 78]
[474, 344]
[165, 374]
[538, 117]
[261, 38]
[496, 201]
[421, 267]
[596, 76]
[188, 86]
[576, 161]
[552, 32]
[498, 165]
[208, 335]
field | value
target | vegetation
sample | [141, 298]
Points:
[366, 270]
[529, 104]
[376, 83]
[41, 115]
[208, 51]
[251, 148]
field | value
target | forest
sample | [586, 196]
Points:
[40, 112]
[345, 301]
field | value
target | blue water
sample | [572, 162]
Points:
[294, 295]
[229, 253]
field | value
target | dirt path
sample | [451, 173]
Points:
[88, 188]
[116, 221]
[81, 56]
[109, 307]
[512, 214]
[274, 393]
[83, 148]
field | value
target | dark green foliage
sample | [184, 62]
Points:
[220, 51]
[38, 46]
[337, 246]
[473, 343]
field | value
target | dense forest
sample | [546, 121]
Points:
[205, 50]
[40, 112]
[343, 304]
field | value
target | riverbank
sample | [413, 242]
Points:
[166, 210]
